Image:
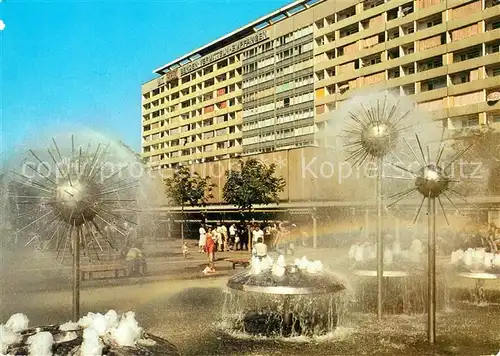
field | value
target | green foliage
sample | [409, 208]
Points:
[485, 150]
[254, 183]
[186, 188]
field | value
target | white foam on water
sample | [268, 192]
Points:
[112, 318]
[69, 326]
[124, 331]
[128, 331]
[17, 322]
[40, 344]
[68, 336]
[99, 324]
[7, 337]
[92, 344]
[340, 333]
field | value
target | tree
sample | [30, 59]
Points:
[484, 152]
[186, 188]
[254, 183]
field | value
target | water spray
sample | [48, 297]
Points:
[432, 181]
[372, 133]
[70, 201]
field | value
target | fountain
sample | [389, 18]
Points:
[480, 264]
[67, 195]
[95, 334]
[403, 272]
[283, 300]
[68, 192]
[374, 127]
[431, 181]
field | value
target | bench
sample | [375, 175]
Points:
[108, 267]
[243, 262]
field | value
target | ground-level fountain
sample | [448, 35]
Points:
[282, 300]
[93, 335]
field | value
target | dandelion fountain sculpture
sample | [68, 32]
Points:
[276, 299]
[67, 194]
[374, 127]
[431, 181]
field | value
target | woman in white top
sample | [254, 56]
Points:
[218, 238]
[203, 239]
[257, 233]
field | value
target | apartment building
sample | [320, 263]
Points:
[274, 84]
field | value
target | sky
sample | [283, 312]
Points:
[82, 63]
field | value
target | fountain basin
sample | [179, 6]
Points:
[69, 343]
[292, 283]
[293, 304]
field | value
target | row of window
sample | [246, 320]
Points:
[300, 115]
[408, 48]
[279, 134]
[193, 138]
[281, 56]
[193, 126]
[199, 99]
[280, 119]
[294, 100]
[196, 150]
[292, 84]
[459, 100]
[280, 146]
[193, 76]
[399, 12]
[295, 83]
[262, 78]
[248, 54]
[421, 45]
[286, 102]
[292, 36]
[410, 68]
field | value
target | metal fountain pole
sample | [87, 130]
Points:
[314, 215]
[431, 277]
[76, 275]
[431, 181]
[380, 243]
[182, 223]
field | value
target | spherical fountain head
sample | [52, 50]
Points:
[431, 181]
[75, 200]
[378, 138]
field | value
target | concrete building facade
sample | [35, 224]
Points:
[274, 84]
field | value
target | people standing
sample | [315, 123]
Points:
[256, 234]
[267, 233]
[232, 236]
[304, 237]
[203, 239]
[210, 250]
[243, 234]
[217, 233]
[225, 238]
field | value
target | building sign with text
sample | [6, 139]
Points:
[224, 52]
[168, 77]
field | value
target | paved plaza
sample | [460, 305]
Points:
[180, 304]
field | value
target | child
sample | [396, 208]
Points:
[185, 250]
